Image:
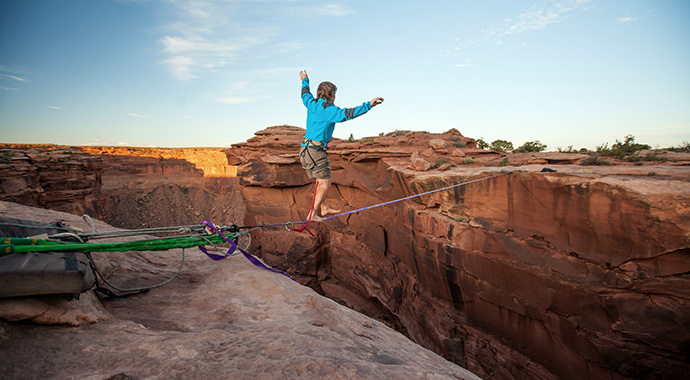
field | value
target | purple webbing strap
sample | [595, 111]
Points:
[234, 246]
[411, 196]
[213, 256]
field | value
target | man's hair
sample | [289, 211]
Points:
[326, 91]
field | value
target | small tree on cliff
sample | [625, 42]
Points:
[531, 147]
[502, 146]
[481, 144]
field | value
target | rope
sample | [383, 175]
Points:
[311, 213]
[137, 289]
[413, 196]
[233, 246]
[290, 225]
[141, 288]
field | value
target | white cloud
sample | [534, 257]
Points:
[3, 76]
[55, 108]
[209, 35]
[138, 115]
[335, 10]
[537, 17]
[181, 67]
[10, 77]
[625, 19]
[467, 63]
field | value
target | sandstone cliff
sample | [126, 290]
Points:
[224, 319]
[127, 187]
[581, 273]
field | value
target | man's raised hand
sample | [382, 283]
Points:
[376, 101]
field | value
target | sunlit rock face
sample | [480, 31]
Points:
[127, 187]
[578, 273]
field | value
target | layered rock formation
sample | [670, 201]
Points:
[127, 187]
[579, 273]
[225, 319]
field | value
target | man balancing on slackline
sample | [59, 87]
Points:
[322, 115]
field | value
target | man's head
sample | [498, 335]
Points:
[326, 91]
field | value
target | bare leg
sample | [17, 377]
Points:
[322, 187]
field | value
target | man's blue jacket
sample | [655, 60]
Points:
[322, 115]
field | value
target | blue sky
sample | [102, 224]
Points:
[182, 73]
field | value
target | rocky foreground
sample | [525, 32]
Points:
[224, 319]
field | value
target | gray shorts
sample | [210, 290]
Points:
[315, 161]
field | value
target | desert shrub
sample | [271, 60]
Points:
[351, 139]
[622, 150]
[595, 159]
[439, 161]
[629, 146]
[462, 219]
[532, 147]
[468, 161]
[651, 157]
[501, 146]
[651, 174]
[398, 133]
[504, 162]
[481, 144]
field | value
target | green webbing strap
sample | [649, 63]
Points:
[24, 245]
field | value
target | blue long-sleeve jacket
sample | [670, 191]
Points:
[322, 115]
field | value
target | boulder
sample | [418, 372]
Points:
[437, 144]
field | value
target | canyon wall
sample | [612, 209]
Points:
[581, 273]
[577, 273]
[126, 187]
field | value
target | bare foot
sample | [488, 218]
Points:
[325, 210]
[316, 218]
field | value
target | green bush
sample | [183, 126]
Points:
[651, 157]
[595, 159]
[439, 161]
[623, 149]
[501, 146]
[504, 162]
[481, 144]
[468, 161]
[533, 147]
